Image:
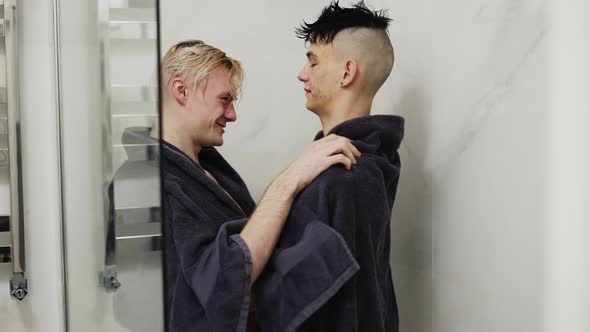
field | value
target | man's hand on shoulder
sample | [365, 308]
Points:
[318, 157]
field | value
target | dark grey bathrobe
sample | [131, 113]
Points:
[330, 270]
[208, 264]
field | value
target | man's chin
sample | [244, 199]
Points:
[311, 108]
[215, 142]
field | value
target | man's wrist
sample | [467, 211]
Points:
[283, 187]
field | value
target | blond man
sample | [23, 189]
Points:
[217, 241]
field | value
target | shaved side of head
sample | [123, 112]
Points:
[371, 49]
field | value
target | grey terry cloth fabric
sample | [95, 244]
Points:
[208, 264]
[330, 270]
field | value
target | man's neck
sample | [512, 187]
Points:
[346, 108]
[175, 135]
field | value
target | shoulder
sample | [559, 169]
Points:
[337, 182]
[338, 177]
[333, 183]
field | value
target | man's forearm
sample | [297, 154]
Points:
[264, 227]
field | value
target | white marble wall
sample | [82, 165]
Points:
[469, 226]
[472, 80]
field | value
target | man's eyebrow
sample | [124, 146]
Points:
[310, 55]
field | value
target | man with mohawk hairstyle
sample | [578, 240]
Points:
[330, 269]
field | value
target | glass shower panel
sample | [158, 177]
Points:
[133, 59]
[110, 115]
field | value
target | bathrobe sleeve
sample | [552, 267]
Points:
[312, 260]
[216, 263]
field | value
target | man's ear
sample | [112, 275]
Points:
[179, 91]
[350, 73]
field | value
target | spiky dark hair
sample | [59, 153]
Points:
[335, 19]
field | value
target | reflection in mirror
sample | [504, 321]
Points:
[108, 75]
[134, 233]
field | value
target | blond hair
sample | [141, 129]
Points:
[193, 61]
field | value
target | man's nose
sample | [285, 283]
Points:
[230, 113]
[302, 75]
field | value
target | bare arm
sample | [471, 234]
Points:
[264, 226]
[262, 230]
